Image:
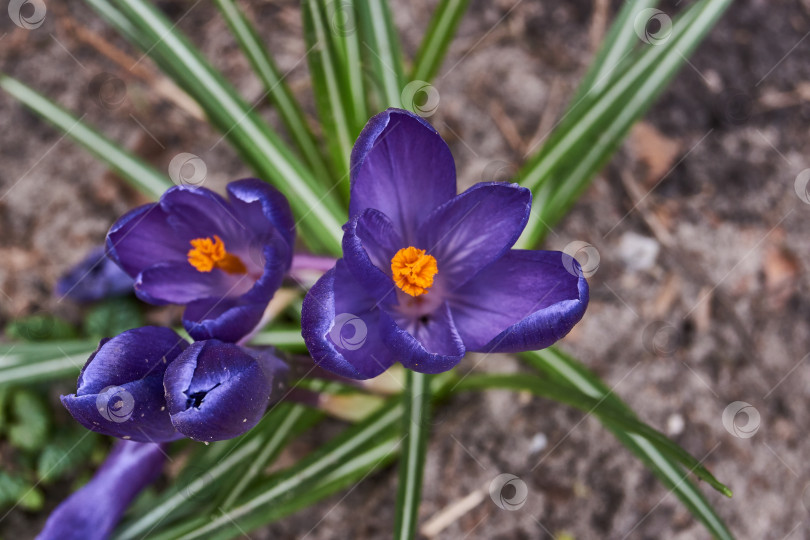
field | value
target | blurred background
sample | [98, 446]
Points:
[699, 241]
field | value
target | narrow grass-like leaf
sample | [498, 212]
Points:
[437, 39]
[36, 362]
[382, 50]
[277, 90]
[140, 175]
[566, 371]
[591, 132]
[344, 21]
[328, 70]
[288, 339]
[415, 433]
[320, 216]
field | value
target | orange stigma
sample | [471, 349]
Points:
[413, 270]
[209, 254]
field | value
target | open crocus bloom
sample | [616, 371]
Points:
[149, 385]
[426, 274]
[223, 259]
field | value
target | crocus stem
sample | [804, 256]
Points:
[93, 511]
[307, 262]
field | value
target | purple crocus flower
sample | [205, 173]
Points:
[149, 385]
[426, 274]
[223, 259]
[94, 278]
[94, 510]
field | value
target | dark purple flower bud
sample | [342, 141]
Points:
[120, 389]
[217, 390]
[223, 259]
[95, 278]
[426, 274]
[94, 510]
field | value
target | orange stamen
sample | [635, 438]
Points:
[209, 254]
[413, 270]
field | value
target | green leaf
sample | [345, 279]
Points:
[566, 371]
[437, 39]
[26, 363]
[40, 328]
[141, 176]
[16, 490]
[69, 451]
[343, 16]
[288, 339]
[594, 128]
[278, 91]
[382, 51]
[111, 317]
[328, 70]
[28, 428]
[320, 216]
[415, 433]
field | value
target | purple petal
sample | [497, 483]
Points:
[120, 388]
[525, 301]
[369, 243]
[262, 208]
[474, 229]
[181, 283]
[95, 278]
[94, 510]
[217, 391]
[344, 328]
[195, 212]
[230, 318]
[428, 345]
[401, 167]
[143, 237]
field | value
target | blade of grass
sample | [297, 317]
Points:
[591, 132]
[382, 50]
[564, 370]
[141, 176]
[415, 433]
[437, 39]
[320, 215]
[278, 91]
[334, 107]
[350, 36]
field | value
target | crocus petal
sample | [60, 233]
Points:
[432, 345]
[262, 208]
[402, 167]
[230, 318]
[120, 388]
[195, 212]
[344, 328]
[525, 301]
[181, 283]
[94, 278]
[474, 229]
[370, 241]
[143, 237]
[217, 390]
[94, 510]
